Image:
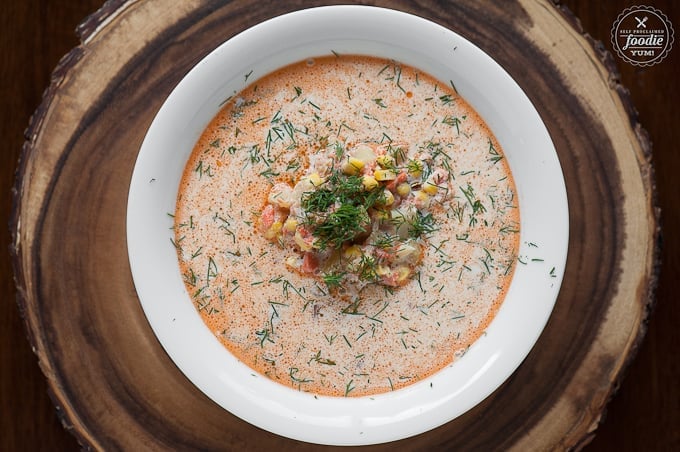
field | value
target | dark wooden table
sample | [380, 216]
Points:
[645, 413]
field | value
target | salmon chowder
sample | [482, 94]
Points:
[347, 225]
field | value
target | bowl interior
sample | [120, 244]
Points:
[367, 31]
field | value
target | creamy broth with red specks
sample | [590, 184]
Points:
[387, 306]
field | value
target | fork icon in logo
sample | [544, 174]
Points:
[641, 22]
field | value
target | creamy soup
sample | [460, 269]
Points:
[347, 225]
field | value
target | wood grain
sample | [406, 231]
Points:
[645, 413]
[100, 357]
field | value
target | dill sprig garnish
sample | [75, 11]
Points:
[333, 279]
[341, 225]
[338, 209]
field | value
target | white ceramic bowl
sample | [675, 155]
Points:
[349, 30]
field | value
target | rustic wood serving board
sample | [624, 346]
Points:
[113, 384]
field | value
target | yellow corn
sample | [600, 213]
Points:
[430, 187]
[382, 270]
[384, 175]
[403, 189]
[383, 214]
[273, 230]
[385, 161]
[290, 225]
[315, 179]
[387, 199]
[415, 168]
[352, 166]
[369, 183]
[352, 252]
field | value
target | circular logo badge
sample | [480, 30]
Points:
[642, 35]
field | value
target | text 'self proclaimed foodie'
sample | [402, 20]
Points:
[347, 225]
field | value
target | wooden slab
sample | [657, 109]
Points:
[111, 380]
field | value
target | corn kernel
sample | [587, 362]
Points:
[430, 187]
[352, 166]
[384, 175]
[315, 179]
[352, 252]
[382, 270]
[403, 189]
[387, 199]
[273, 230]
[386, 161]
[290, 225]
[383, 214]
[415, 168]
[369, 183]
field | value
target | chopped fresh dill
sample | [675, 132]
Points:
[422, 224]
[495, 155]
[379, 102]
[333, 279]
[349, 214]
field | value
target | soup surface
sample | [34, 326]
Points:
[347, 225]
